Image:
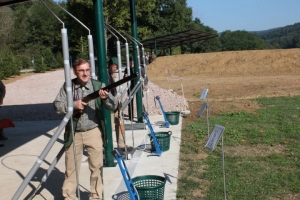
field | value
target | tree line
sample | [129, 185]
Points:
[30, 35]
[282, 38]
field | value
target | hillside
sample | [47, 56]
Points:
[282, 38]
[231, 77]
[231, 63]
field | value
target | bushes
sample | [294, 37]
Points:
[58, 61]
[39, 65]
[47, 61]
[25, 61]
[9, 64]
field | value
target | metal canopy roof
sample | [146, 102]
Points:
[10, 2]
[176, 39]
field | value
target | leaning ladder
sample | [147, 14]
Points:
[126, 176]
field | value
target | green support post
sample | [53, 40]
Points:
[139, 101]
[102, 76]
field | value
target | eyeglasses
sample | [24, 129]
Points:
[82, 71]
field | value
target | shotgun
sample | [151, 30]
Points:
[95, 94]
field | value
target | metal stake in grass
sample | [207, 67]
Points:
[203, 96]
[184, 111]
[211, 144]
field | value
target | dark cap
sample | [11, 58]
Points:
[113, 60]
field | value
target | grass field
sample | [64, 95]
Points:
[261, 154]
[255, 96]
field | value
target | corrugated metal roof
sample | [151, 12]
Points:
[11, 2]
[176, 39]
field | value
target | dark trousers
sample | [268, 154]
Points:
[131, 108]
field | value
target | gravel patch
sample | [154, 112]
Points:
[30, 98]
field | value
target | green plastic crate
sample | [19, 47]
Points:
[150, 187]
[173, 117]
[163, 139]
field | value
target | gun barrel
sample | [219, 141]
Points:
[95, 94]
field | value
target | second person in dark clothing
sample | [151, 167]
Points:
[113, 66]
[132, 83]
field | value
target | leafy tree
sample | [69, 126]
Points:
[83, 11]
[9, 64]
[48, 58]
[39, 65]
[82, 48]
[282, 38]
[1, 72]
[170, 16]
[58, 60]
[16, 65]
[20, 34]
[43, 26]
[35, 29]
[6, 25]
[25, 61]
[209, 45]
[116, 14]
[241, 40]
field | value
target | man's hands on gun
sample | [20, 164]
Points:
[103, 94]
[79, 104]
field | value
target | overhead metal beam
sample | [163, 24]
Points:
[11, 2]
[177, 39]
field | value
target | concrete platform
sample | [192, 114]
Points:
[29, 138]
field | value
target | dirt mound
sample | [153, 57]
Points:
[232, 77]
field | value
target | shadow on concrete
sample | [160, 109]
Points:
[29, 112]
[31, 122]
[26, 132]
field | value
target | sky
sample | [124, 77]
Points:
[248, 15]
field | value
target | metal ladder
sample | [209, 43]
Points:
[158, 150]
[117, 153]
[167, 124]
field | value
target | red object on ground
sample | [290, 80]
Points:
[6, 123]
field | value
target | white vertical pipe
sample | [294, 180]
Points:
[91, 56]
[120, 63]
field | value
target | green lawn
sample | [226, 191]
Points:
[261, 154]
